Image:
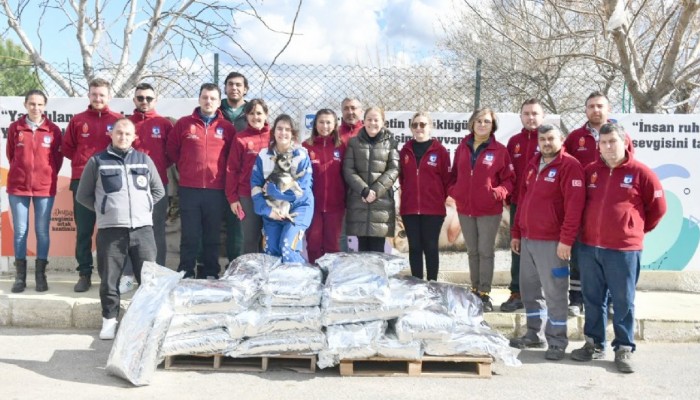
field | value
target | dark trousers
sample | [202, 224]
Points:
[514, 286]
[324, 233]
[370, 243]
[201, 213]
[84, 228]
[423, 232]
[114, 245]
[252, 227]
[575, 295]
[234, 235]
[160, 215]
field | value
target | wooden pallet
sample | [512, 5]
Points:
[451, 366]
[219, 362]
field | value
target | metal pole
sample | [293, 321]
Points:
[216, 69]
[477, 91]
[624, 90]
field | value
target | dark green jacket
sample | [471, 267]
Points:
[373, 165]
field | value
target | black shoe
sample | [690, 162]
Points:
[40, 276]
[555, 353]
[84, 283]
[525, 342]
[20, 276]
[486, 302]
[189, 274]
[513, 303]
[589, 351]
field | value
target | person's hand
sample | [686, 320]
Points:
[563, 251]
[237, 209]
[515, 246]
[274, 215]
[372, 196]
[275, 193]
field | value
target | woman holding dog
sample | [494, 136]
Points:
[424, 176]
[482, 177]
[241, 157]
[326, 151]
[283, 233]
[370, 168]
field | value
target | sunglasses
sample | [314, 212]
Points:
[415, 125]
[142, 98]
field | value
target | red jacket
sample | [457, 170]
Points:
[522, 148]
[328, 182]
[551, 201]
[35, 158]
[581, 144]
[622, 204]
[87, 134]
[244, 151]
[424, 186]
[152, 131]
[200, 151]
[348, 131]
[480, 190]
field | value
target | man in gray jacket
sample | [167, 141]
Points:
[121, 185]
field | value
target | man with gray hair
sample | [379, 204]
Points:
[545, 228]
[624, 201]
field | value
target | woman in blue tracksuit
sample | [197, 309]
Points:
[282, 236]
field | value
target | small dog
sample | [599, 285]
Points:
[282, 177]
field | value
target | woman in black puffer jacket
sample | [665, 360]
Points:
[370, 168]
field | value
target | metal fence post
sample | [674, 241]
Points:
[216, 69]
[477, 90]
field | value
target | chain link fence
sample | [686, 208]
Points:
[297, 89]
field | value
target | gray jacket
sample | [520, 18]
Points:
[121, 188]
[373, 165]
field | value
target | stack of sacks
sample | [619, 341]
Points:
[135, 351]
[287, 318]
[210, 315]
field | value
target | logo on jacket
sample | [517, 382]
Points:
[432, 160]
[517, 150]
[627, 181]
[219, 132]
[109, 129]
[47, 141]
[529, 175]
[551, 175]
[593, 180]
[141, 182]
[488, 158]
[582, 142]
[86, 128]
[193, 129]
[336, 154]
[405, 159]
[155, 132]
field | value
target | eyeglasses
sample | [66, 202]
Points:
[415, 125]
[142, 98]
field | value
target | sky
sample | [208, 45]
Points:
[366, 32]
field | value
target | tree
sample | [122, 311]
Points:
[653, 45]
[109, 33]
[16, 75]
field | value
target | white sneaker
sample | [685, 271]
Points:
[127, 283]
[109, 328]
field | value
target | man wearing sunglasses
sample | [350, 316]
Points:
[152, 132]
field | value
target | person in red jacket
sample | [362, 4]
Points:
[482, 178]
[582, 143]
[423, 177]
[326, 152]
[545, 228]
[87, 134]
[351, 119]
[624, 201]
[34, 155]
[152, 131]
[522, 147]
[244, 151]
[199, 145]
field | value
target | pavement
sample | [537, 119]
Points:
[662, 316]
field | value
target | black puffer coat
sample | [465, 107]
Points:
[373, 164]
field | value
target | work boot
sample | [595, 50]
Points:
[84, 283]
[20, 276]
[513, 303]
[486, 302]
[623, 359]
[526, 342]
[40, 275]
[589, 351]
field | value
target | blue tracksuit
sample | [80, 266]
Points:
[283, 238]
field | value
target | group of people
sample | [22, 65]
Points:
[560, 191]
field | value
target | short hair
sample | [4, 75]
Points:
[349, 99]
[209, 87]
[375, 109]
[282, 118]
[544, 128]
[35, 92]
[614, 128]
[595, 94]
[334, 134]
[99, 82]
[530, 101]
[479, 112]
[144, 86]
[250, 106]
[235, 74]
[125, 120]
[421, 113]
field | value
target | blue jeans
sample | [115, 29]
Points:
[19, 206]
[617, 271]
